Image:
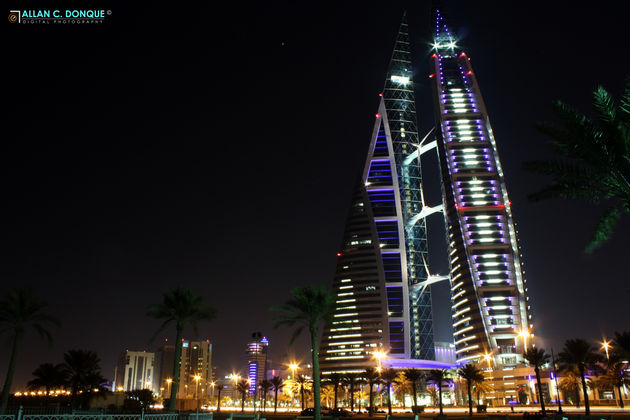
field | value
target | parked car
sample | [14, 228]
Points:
[340, 412]
[311, 411]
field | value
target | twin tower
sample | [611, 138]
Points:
[382, 281]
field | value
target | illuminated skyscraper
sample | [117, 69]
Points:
[256, 361]
[488, 290]
[382, 304]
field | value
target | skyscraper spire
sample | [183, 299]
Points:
[489, 304]
[385, 244]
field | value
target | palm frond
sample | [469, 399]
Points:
[604, 229]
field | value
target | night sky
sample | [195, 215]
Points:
[217, 149]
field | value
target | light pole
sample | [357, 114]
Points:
[555, 377]
[488, 359]
[168, 382]
[606, 345]
[379, 355]
[293, 367]
[524, 334]
[196, 378]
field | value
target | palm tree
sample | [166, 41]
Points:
[311, 308]
[83, 372]
[438, 377]
[414, 375]
[47, 376]
[334, 379]
[571, 382]
[389, 376]
[276, 383]
[21, 311]
[265, 387]
[242, 387]
[579, 353]
[350, 379]
[537, 358]
[182, 307]
[372, 376]
[472, 374]
[220, 388]
[483, 387]
[615, 377]
[595, 157]
[301, 385]
[401, 387]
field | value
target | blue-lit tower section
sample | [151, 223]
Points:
[256, 361]
[488, 293]
[382, 257]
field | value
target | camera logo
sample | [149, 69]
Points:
[14, 16]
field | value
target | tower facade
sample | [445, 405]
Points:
[134, 371]
[381, 267]
[256, 361]
[488, 292]
[195, 369]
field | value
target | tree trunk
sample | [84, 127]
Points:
[371, 398]
[620, 397]
[468, 387]
[389, 399]
[177, 361]
[440, 397]
[275, 401]
[316, 374]
[219, 399]
[242, 402]
[540, 393]
[351, 395]
[302, 395]
[413, 388]
[6, 389]
[336, 389]
[587, 406]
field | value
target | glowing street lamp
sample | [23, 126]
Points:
[196, 378]
[293, 367]
[606, 345]
[168, 382]
[524, 334]
[379, 355]
[488, 359]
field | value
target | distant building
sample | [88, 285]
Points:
[256, 361]
[196, 361]
[164, 359]
[135, 370]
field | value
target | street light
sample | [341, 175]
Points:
[196, 378]
[379, 355]
[606, 345]
[488, 359]
[524, 334]
[168, 381]
[293, 367]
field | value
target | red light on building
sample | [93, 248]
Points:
[469, 72]
[463, 55]
[431, 75]
[339, 254]
[380, 94]
[434, 55]
[378, 115]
